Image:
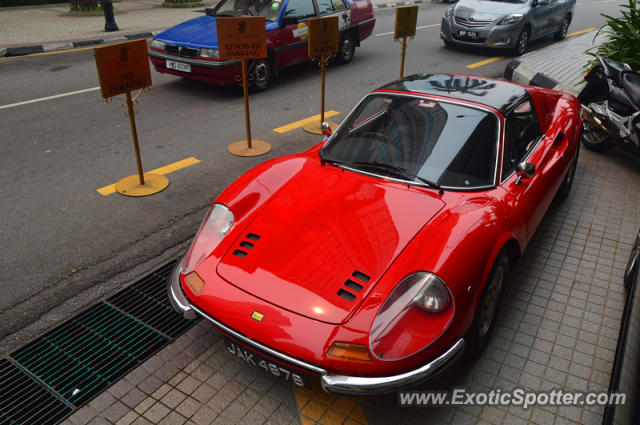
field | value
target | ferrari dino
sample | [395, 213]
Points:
[375, 259]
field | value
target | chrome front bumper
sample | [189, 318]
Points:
[339, 384]
[194, 62]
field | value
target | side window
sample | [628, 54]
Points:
[325, 6]
[300, 9]
[522, 132]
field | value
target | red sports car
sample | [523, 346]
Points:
[377, 257]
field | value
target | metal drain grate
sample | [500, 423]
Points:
[148, 302]
[23, 401]
[89, 353]
[48, 379]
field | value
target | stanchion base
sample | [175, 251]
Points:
[241, 148]
[153, 183]
[315, 127]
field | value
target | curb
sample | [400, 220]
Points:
[521, 73]
[43, 48]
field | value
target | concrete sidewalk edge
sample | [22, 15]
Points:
[521, 73]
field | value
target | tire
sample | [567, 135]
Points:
[565, 187]
[262, 72]
[347, 48]
[448, 44]
[564, 28]
[595, 139]
[478, 335]
[522, 43]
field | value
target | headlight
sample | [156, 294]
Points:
[209, 53]
[511, 19]
[414, 315]
[214, 228]
[157, 44]
[449, 12]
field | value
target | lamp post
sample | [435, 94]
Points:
[110, 22]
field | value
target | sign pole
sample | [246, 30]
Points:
[404, 48]
[134, 133]
[245, 89]
[123, 68]
[323, 68]
[324, 42]
[243, 38]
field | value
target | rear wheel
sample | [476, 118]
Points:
[484, 321]
[565, 188]
[562, 32]
[522, 43]
[595, 138]
[347, 48]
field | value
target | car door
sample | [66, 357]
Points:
[524, 141]
[290, 43]
[542, 17]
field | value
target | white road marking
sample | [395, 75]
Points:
[417, 28]
[42, 99]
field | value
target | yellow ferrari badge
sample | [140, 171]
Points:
[257, 316]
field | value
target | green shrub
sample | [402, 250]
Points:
[622, 37]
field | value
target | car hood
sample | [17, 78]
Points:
[483, 10]
[198, 32]
[324, 240]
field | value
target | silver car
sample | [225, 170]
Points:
[510, 24]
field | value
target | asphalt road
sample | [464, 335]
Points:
[64, 245]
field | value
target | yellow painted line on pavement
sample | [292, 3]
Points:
[580, 32]
[485, 62]
[316, 407]
[108, 190]
[303, 122]
[497, 58]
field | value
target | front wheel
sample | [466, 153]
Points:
[562, 32]
[262, 73]
[485, 318]
[522, 43]
[595, 139]
[347, 48]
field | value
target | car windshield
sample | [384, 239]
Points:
[270, 9]
[418, 139]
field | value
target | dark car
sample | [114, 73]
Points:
[190, 49]
[509, 24]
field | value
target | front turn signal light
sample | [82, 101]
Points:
[195, 282]
[349, 352]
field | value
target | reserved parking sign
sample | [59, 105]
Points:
[242, 37]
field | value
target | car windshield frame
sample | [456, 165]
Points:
[351, 117]
[267, 9]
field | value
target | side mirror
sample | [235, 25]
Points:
[326, 129]
[525, 170]
[289, 20]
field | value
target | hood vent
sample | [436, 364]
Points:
[246, 245]
[353, 285]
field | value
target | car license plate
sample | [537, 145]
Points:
[276, 369]
[179, 66]
[469, 34]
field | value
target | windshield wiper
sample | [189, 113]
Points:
[400, 172]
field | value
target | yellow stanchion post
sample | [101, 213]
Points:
[124, 67]
[323, 44]
[244, 37]
[404, 48]
[406, 21]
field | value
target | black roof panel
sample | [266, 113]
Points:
[500, 95]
